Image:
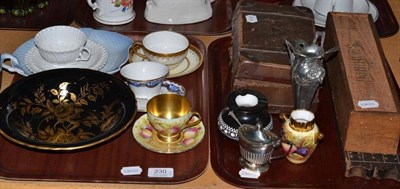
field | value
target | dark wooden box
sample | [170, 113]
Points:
[364, 93]
[260, 59]
[280, 96]
[259, 50]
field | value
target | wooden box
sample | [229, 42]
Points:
[364, 93]
[260, 59]
[280, 96]
[259, 31]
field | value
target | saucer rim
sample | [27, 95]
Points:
[103, 58]
[373, 9]
[187, 71]
[197, 142]
[113, 64]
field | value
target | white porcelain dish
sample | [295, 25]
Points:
[117, 47]
[36, 63]
[320, 20]
[177, 12]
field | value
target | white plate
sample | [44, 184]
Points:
[321, 22]
[98, 58]
[167, 87]
[117, 46]
[192, 62]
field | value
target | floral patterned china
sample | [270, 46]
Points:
[116, 45]
[112, 12]
[193, 61]
[145, 135]
[35, 63]
[166, 87]
[66, 109]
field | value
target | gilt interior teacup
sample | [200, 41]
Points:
[169, 115]
[62, 44]
[166, 47]
[145, 78]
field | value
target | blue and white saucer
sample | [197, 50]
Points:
[98, 58]
[117, 46]
[167, 87]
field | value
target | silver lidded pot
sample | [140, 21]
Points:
[257, 146]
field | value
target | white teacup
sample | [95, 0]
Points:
[166, 47]
[361, 6]
[62, 44]
[322, 7]
[112, 12]
[145, 78]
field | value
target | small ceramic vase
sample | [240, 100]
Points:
[301, 130]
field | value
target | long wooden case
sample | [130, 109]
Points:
[363, 90]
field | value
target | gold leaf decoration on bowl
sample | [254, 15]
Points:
[69, 114]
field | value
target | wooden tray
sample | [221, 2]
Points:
[57, 13]
[386, 24]
[325, 168]
[103, 163]
[219, 23]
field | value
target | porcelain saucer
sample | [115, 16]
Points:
[166, 87]
[98, 58]
[320, 20]
[116, 44]
[192, 62]
[145, 135]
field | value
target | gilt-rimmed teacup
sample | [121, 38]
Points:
[62, 44]
[166, 47]
[145, 78]
[169, 114]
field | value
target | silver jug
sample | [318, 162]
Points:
[307, 68]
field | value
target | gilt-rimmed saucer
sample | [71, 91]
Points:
[146, 136]
[166, 87]
[320, 20]
[98, 58]
[191, 63]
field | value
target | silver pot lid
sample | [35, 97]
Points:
[253, 135]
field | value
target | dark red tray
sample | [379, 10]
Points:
[325, 168]
[103, 163]
[219, 23]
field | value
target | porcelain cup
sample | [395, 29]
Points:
[322, 7]
[166, 47]
[62, 44]
[361, 6]
[112, 12]
[169, 115]
[145, 78]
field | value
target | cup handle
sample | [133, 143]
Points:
[82, 55]
[13, 60]
[135, 51]
[191, 124]
[95, 6]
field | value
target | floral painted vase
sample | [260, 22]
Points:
[301, 130]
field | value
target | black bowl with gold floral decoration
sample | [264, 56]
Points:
[66, 109]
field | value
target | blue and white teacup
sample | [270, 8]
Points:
[145, 78]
